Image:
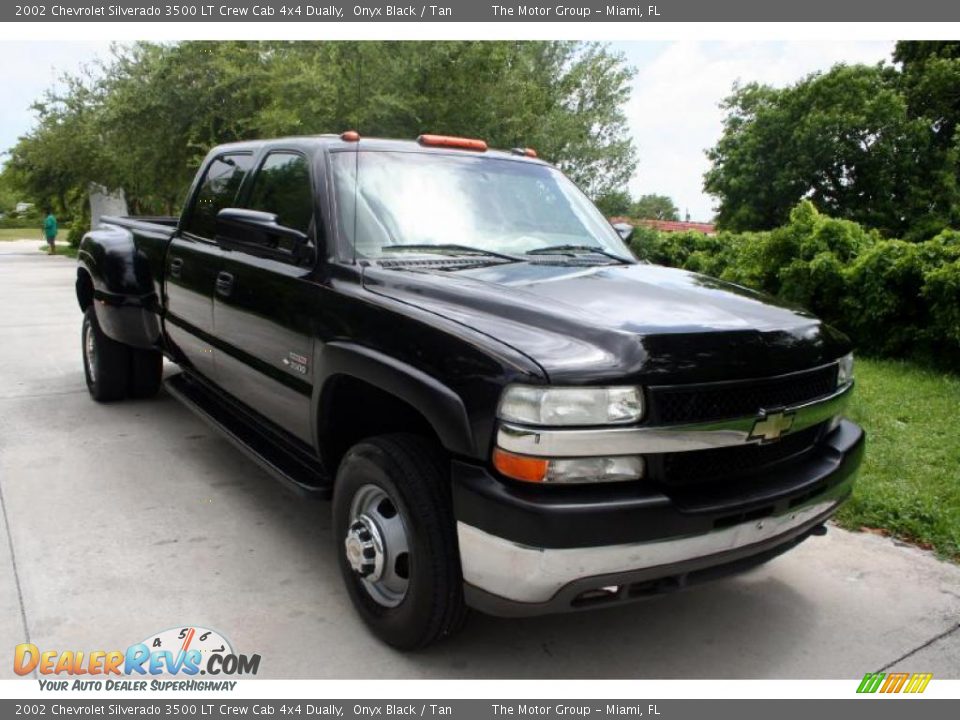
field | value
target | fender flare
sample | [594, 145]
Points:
[440, 405]
[127, 307]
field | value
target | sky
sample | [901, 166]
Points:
[29, 68]
[673, 111]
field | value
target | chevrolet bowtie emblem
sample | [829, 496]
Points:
[770, 426]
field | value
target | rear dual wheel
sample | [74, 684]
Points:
[396, 540]
[115, 371]
[146, 373]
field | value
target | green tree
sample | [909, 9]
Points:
[562, 98]
[930, 81]
[847, 140]
[655, 207]
[143, 119]
[8, 196]
[53, 164]
[614, 203]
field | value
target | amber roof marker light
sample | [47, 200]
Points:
[450, 141]
[526, 152]
[350, 136]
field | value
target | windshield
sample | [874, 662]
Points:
[488, 204]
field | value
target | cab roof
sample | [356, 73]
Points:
[344, 142]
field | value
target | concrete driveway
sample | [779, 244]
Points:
[123, 520]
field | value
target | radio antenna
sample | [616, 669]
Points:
[356, 155]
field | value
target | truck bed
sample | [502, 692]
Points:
[161, 223]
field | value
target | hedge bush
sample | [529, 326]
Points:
[79, 227]
[894, 298]
[29, 220]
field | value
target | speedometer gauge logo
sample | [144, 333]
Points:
[182, 640]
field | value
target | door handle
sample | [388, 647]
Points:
[224, 284]
[176, 265]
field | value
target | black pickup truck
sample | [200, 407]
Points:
[509, 411]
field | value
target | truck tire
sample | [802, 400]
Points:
[146, 373]
[396, 541]
[106, 363]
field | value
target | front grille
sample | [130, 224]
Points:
[720, 401]
[697, 466]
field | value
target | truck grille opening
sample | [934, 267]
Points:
[721, 401]
[697, 466]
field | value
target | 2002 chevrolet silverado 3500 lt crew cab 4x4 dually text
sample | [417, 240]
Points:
[509, 411]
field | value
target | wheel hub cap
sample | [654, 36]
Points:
[365, 549]
[90, 348]
[376, 546]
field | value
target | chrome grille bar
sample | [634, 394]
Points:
[555, 442]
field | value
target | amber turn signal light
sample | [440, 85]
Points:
[520, 467]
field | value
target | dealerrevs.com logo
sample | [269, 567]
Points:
[184, 652]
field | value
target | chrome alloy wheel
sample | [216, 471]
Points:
[90, 350]
[376, 546]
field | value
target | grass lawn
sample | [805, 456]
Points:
[909, 485]
[62, 249]
[28, 234]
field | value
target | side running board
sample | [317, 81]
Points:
[283, 456]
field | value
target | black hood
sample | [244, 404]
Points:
[621, 322]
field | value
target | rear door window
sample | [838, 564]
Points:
[282, 187]
[218, 190]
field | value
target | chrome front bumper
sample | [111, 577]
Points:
[522, 575]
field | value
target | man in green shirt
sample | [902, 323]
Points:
[50, 230]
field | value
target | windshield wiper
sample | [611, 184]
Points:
[574, 250]
[451, 249]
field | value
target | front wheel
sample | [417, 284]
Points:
[396, 542]
[106, 363]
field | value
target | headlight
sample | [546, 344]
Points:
[571, 406]
[845, 370]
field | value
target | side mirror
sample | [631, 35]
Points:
[239, 226]
[624, 230]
